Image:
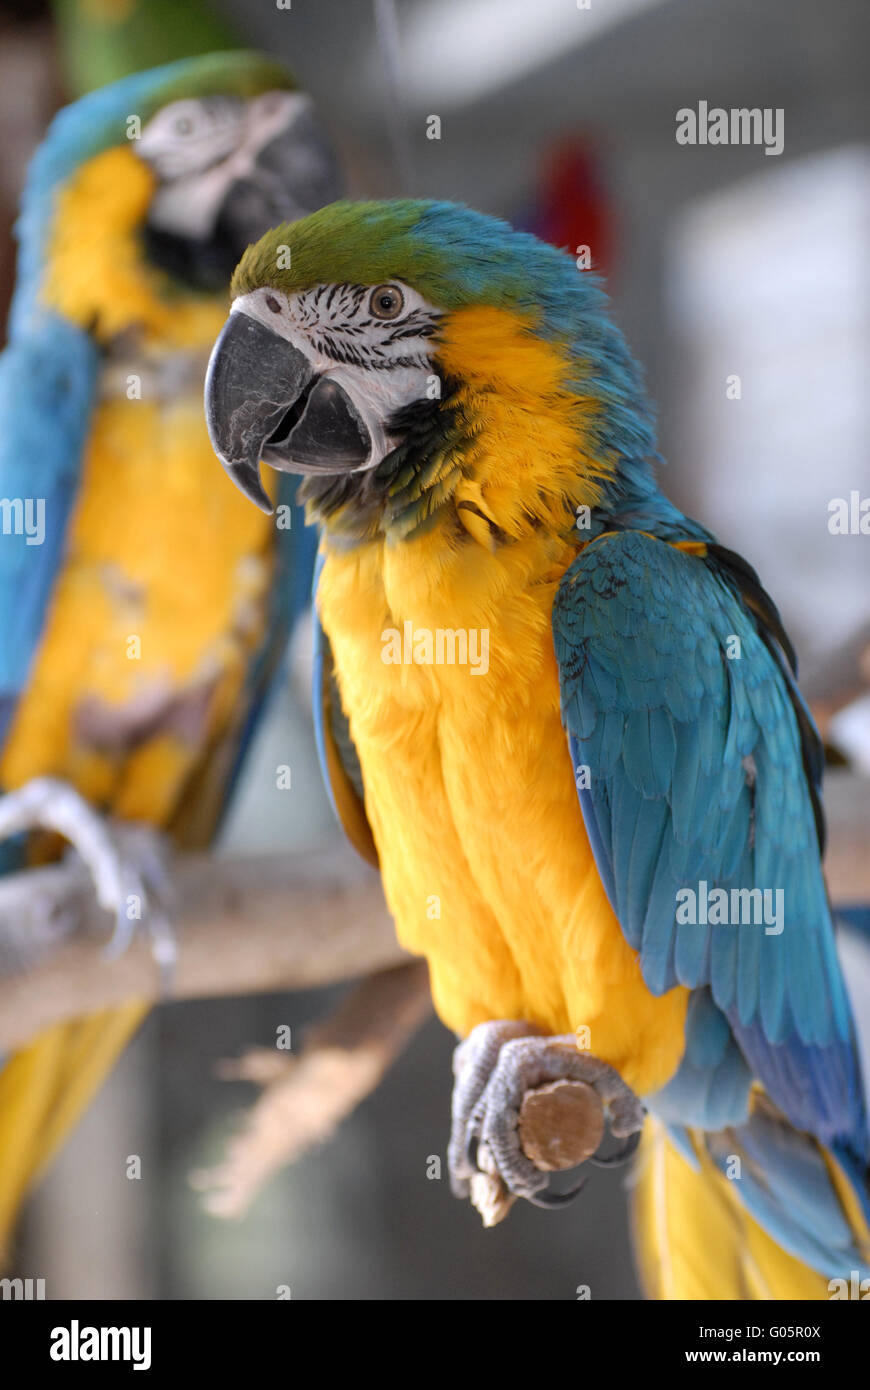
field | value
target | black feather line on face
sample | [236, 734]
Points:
[417, 325]
[370, 358]
[329, 314]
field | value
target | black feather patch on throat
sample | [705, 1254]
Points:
[402, 493]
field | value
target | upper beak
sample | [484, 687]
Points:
[294, 174]
[263, 400]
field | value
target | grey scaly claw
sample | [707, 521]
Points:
[142, 853]
[496, 1066]
[126, 862]
[473, 1063]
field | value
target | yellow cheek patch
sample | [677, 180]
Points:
[526, 430]
[495, 350]
[96, 274]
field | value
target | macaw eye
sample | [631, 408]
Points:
[386, 302]
[273, 304]
[183, 126]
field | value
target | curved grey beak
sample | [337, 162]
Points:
[254, 376]
[264, 401]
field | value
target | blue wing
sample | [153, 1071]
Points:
[47, 381]
[677, 699]
[48, 376]
[786, 1183]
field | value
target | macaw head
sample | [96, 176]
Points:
[217, 149]
[408, 356]
[237, 149]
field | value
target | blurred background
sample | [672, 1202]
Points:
[724, 263]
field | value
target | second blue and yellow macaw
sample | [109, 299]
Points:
[142, 612]
[564, 722]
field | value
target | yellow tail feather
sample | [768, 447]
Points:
[43, 1091]
[693, 1239]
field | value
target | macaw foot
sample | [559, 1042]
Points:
[127, 862]
[525, 1105]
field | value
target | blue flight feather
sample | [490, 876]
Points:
[713, 797]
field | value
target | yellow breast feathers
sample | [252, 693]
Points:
[471, 796]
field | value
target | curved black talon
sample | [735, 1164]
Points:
[472, 1149]
[556, 1199]
[621, 1156]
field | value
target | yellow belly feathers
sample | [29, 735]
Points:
[471, 797]
[157, 609]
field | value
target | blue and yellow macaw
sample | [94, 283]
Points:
[142, 611]
[557, 713]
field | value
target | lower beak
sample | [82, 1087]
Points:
[264, 401]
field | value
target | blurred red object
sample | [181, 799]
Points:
[571, 208]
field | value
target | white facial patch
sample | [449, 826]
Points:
[189, 136]
[384, 365]
[198, 148]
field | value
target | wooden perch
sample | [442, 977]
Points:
[295, 921]
[560, 1125]
[305, 1098]
[243, 926]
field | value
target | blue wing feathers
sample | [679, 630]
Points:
[711, 1087]
[785, 1185]
[47, 380]
[699, 754]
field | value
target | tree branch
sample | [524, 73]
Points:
[243, 926]
[305, 1098]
